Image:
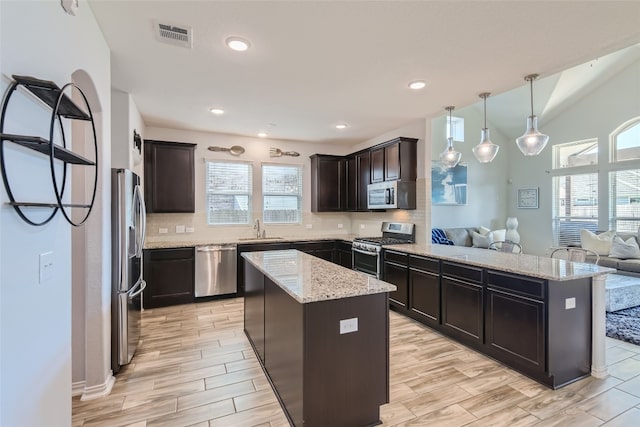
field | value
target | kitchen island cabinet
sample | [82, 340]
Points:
[326, 337]
[540, 316]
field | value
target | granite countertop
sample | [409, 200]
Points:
[166, 244]
[310, 279]
[528, 265]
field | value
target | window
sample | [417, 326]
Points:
[458, 128]
[228, 189]
[580, 153]
[626, 142]
[575, 206]
[624, 200]
[281, 194]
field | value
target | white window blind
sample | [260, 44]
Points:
[229, 190]
[624, 200]
[281, 193]
[575, 206]
[626, 144]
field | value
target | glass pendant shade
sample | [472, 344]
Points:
[450, 157]
[486, 151]
[533, 141]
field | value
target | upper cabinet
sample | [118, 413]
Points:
[340, 183]
[328, 183]
[169, 176]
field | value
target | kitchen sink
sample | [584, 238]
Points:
[260, 239]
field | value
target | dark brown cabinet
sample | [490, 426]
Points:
[424, 289]
[343, 255]
[462, 302]
[377, 165]
[254, 247]
[169, 274]
[358, 178]
[320, 249]
[169, 177]
[253, 283]
[395, 271]
[328, 183]
[400, 160]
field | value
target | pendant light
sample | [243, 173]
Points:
[450, 157]
[533, 141]
[486, 150]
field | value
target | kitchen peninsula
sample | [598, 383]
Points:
[321, 334]
[541, 316]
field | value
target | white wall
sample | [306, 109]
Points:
[595, 115]
[486, 182]
[257, 151]
[40, 40]
[125, 118]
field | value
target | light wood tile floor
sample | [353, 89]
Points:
[195, 367]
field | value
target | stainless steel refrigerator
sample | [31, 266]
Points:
[128, 224]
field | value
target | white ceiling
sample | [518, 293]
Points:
[313, 64]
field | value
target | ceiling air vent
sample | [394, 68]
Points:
[179, 35]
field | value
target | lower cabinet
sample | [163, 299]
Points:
[169, 274]
[424, 289]
[320, 249]
[395, 271]
[254, 247]
[462, 302]
[254, 308]
[343, 254]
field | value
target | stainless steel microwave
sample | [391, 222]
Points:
[391, 195]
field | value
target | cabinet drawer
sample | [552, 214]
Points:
[397, 257]
[425, 264]
[173, 253]
[513, 283]
[462, 271]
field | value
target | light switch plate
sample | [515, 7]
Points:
[340, 226]
[163, 230]
[361, 226]
[46, 266]
[348, 325]
[180, 229]
[190, 229]
[569, 303]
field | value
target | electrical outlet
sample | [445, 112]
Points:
[163, 230]
[180, 229]
[348, 325]
[46, 266]
[569, 303]
[340, 226]
[190, 229]
[361, 226]
[309, 226]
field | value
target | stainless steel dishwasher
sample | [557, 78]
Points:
[216, 270]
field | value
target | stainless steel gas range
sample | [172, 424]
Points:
[366, 250]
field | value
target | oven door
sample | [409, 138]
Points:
[366, 262]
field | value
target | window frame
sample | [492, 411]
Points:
[248, 193]
[298, 196]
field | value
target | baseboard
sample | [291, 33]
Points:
[77, 388]
[99, 390]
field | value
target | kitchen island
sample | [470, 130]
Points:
[541, 316]
[321, 334]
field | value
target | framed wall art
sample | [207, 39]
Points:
[448, 185]
[527, 198]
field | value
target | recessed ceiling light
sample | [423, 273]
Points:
[237, 43]
[341, 126]
[262, 134]
[217, 111]
[417, 85]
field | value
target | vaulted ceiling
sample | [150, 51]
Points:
[314, 64]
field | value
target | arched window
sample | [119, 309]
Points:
[624, 184]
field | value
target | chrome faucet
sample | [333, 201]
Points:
[256, 227]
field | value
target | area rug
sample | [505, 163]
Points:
[624, 325]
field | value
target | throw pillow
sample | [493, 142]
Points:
[499, 235]
[481, 241]
[439, 237]
[624, 249]
[484, 230]
[599, 243]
